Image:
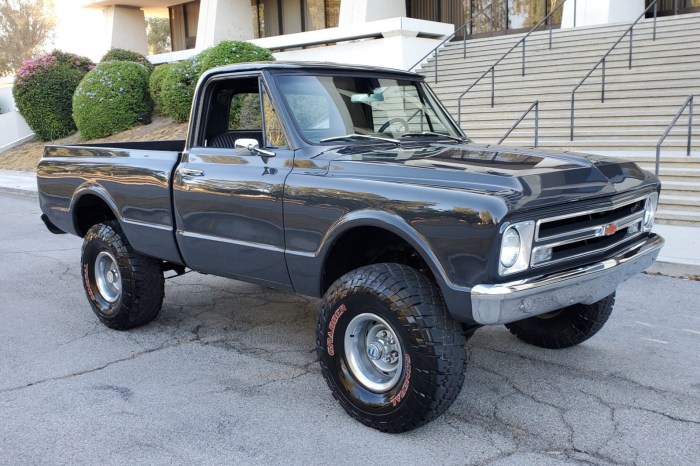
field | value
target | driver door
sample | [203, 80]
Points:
[228, 194]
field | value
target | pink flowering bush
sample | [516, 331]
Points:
[43, 92]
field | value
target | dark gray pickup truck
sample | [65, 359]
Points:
[354, 184]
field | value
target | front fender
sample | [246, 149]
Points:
[392, 223]
[306, 268]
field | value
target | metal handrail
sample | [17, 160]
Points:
[434, 50]
[420, 110]
[602, 60]
[536, 106]
[493, 67]
[451, 36]
[689, 105]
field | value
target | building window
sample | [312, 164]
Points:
[277, 17]
[321, 14]
[183, 25]
[508, 15]
[672, 7]
[258, 10]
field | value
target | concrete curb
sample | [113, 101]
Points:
[17, 182]
[19, 191]
[671, 269]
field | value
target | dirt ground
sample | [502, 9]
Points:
[27, 156]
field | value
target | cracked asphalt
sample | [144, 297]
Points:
[228, 374]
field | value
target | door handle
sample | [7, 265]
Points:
[191, 172]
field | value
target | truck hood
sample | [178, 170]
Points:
[525, 178]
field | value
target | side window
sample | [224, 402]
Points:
[274, 134]
[239, 108]
[245, 112]
[234, 112]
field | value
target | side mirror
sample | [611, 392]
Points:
[245, 143]
[253, 146]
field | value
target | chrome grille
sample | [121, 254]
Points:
[571, 236]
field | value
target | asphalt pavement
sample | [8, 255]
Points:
[228, 375]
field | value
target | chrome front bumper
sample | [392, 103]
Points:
[508, 302]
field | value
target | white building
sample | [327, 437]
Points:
[391, 33]
[407, 29]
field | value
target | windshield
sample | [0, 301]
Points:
[330, 108]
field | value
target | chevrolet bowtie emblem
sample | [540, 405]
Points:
[609, 229]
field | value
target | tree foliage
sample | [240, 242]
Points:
[158, 35]
[24, 27]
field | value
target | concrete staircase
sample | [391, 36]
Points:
[639, 103]
[680, 191]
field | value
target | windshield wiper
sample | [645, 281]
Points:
[432, 133]
[360, 136]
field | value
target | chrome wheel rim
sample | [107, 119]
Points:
[373, 352]
[107, 277]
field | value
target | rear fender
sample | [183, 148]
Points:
[97, 190]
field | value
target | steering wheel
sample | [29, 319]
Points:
[398, 121]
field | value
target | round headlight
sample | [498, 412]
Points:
[650, 211]
[510, 247]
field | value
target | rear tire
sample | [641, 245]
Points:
[565, 327]
[391, 355]
[124, 288]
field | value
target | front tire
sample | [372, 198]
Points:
[566, 327]
[124, 288]
[391, 355]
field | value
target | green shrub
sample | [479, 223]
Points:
[177, 88]
[173, 91]
[155, 84]
[43, 92]
[232, 51]
[111, 98]
[127, 55]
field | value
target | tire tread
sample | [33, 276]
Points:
[573, 326]
[439, 339]
[143, 288]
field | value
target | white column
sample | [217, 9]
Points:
[592, 12]
[126, 28]
[223, 20]
[361, 11]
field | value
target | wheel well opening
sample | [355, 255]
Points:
[90, 210]
[369, 245]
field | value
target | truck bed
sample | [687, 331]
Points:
[133, 179]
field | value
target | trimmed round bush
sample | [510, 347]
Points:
[177, 88]
[111, 98]
[128, 55]
[43, 92]
[155, 84]
[232, 51]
